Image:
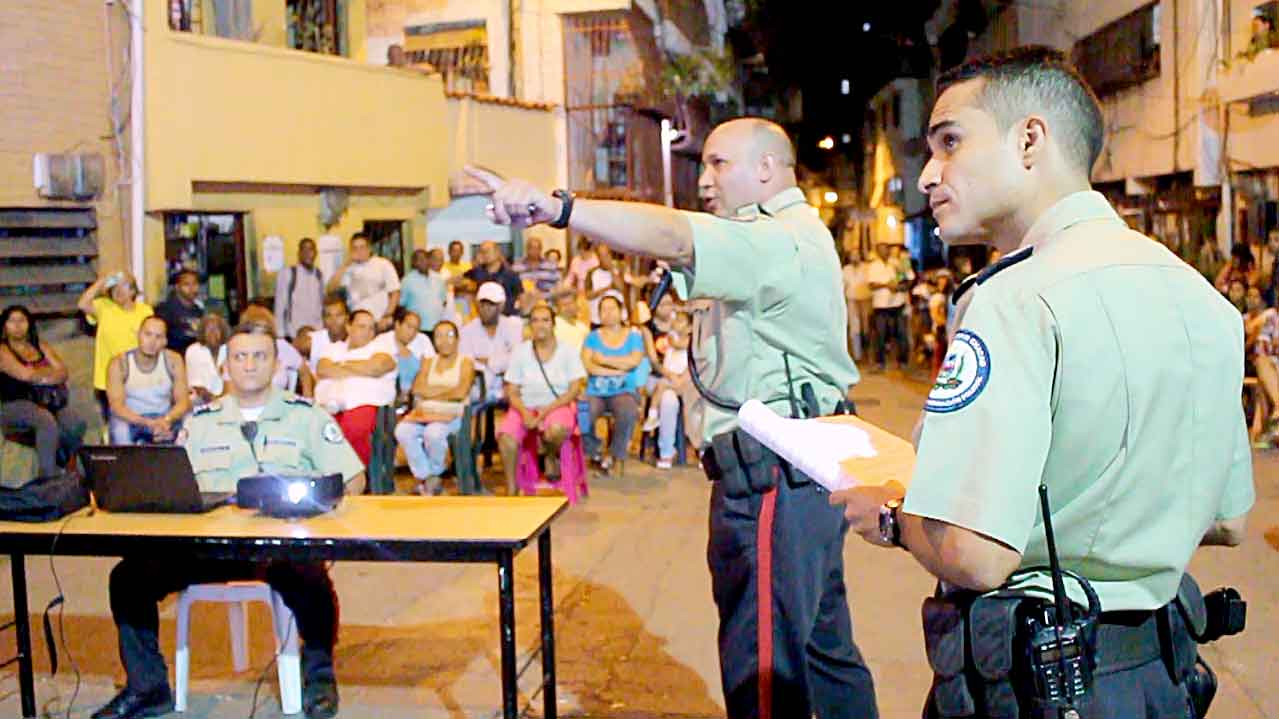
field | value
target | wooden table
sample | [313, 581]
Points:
[366, 529]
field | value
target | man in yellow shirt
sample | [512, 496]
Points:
[112, 304]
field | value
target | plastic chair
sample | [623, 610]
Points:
[238, 595]
[462, 443]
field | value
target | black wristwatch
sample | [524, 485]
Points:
[890, 529]
[566, 208]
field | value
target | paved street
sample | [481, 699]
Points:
[636, 626]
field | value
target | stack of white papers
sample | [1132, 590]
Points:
[814, 448]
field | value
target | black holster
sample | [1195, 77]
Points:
[1192, 619]
[745, 466]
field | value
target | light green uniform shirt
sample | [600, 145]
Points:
[293, 438]
[776, 278]
[1097, 362]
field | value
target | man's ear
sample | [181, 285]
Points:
[767, 167]
[1032, 140]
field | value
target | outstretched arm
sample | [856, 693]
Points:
[629, 227]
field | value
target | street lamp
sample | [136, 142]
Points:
[831, 197]
[827, 143]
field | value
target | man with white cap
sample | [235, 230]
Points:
[490, 338]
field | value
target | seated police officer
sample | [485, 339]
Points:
[255, 429]
[1089, 360]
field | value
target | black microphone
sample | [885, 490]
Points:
[249, 430]
[663, 285]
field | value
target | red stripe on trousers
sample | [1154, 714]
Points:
[764, 600]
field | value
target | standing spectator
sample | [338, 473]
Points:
[537, 270]
[581, 265]
[33, 391]
[457, 265]
[425, 289]
[371, 283]
[490, 266]
[1266, 359]
[1242, 268]
[545, 379]
[606, 278]
[147, 389]
[118, 316]
[182, 311]
[568, 328]
[205, 359]
[356, 377]
[299, 293]
[1237, 293]
[336, 316]
[490, 338]
[617, 367]
[411, 348]
[888, 300]
[938, 310]
[439, 394]
[1268, 276]
[857, 296]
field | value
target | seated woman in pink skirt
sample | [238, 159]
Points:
[543, 382]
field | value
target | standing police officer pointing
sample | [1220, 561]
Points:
[1089, 360]
[775, 552]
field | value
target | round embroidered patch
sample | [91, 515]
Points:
[332, 433]
[963, 376]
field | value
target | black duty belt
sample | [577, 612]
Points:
[1126, 640]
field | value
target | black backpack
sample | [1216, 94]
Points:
[44, 499]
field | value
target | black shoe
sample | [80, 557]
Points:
[129, 704]
[320, 699]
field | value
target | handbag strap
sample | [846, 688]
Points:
[542, 367]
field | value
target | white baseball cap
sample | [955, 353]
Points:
[492, 292]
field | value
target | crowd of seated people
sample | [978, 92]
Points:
[559, 349]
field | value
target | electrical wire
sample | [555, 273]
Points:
[61, 603]
[257, 687]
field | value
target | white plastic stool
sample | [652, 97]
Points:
[237, 595]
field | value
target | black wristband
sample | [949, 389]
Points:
[566, 208]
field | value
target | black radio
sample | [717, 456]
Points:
[1061, 649]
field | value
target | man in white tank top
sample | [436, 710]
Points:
[147, 389]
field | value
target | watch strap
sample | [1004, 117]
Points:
[566, 208]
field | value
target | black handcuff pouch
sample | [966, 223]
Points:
[971, 644]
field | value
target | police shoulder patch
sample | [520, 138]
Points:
[964, 374]
[332, 432]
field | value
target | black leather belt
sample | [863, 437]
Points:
[1127, 639]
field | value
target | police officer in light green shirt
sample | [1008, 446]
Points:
[255, 429]
[775, 326]
[1088, 359]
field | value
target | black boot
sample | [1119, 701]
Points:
[129, 704]
[319, 685]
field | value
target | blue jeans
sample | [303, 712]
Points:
[426, 446]
[123, 432]
[668, 423]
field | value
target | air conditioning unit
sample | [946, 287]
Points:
[68, 177]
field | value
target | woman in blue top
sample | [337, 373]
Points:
[617, 367]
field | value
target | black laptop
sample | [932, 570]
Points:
[146, 478]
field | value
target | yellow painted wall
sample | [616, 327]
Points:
[229, 111]
[512, 141]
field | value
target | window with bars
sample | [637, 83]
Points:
[1122, 54]
[46, 257]
[457, 50]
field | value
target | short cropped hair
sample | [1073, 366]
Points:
[254, 327]
[1038, 79]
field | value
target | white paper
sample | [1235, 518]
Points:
[814, 448]
[273, 254]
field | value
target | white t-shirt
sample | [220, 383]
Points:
[879, 271]
[474, 340]
[288, 363]
[855, 283]
[596, 280]
[369, 285]
[564, 368]
[349, 392]
[202, 369]
[420, 346]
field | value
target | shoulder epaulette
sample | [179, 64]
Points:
[214, 406]
[290, 398]
[990, 271]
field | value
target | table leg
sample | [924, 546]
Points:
[506, 617]
[548, 623]
[22, 625]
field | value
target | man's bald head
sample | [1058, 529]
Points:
[747, 160]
